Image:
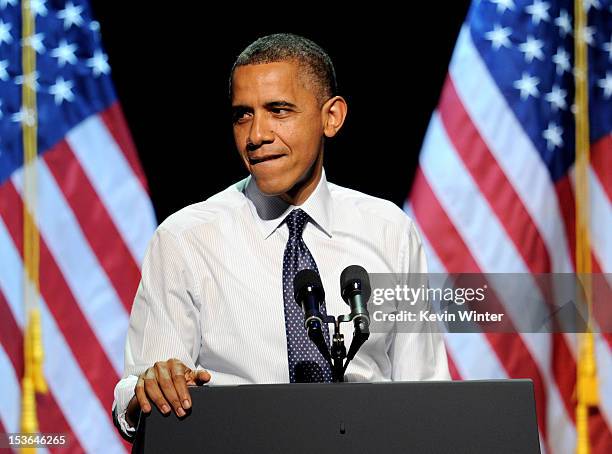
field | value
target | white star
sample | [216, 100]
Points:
[94, 26]
[591, 3]
[5, 3]
[24, 116]
[62, 90]
[564, 23]
[532, 48]
[65, 53]
[552, 135]
[71, 15]
[587, 35]
[499, 36]
[538, 11]
[30, 79]
[556, 98]
[528, 86]
[606, 85]
[5, 32]
[35, 42]
[38, 7]
[503, 5]
[561, 60]
[99, 63]
[3, 72]
[608, 48]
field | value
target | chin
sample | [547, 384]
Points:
[272, 187]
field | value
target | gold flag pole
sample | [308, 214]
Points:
[33, 377]
[586, 377]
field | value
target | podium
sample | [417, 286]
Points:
[492, 416]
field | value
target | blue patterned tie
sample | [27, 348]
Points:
[306, 364]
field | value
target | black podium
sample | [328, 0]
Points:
[496, 416]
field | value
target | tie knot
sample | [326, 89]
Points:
[296, 220]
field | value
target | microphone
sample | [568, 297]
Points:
[309, 294]
[355, 290]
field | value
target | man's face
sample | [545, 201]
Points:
[278, 128]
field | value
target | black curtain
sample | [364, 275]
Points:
[171, 66]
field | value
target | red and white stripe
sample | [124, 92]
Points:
[484, 201]
[94, 217]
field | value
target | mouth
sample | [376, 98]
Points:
[254, 160]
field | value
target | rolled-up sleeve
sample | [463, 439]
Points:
[419, 354]
[164, 322]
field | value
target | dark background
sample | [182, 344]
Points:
[171, 60]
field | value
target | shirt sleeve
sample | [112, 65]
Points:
[419, 354]
[164, 322]
[123, 393]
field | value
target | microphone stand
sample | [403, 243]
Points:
[338, 349]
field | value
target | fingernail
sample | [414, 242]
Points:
[180, 412]
[165, 408]
[186, 404]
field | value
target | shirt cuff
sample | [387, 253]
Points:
[124, 391]
[124, 426]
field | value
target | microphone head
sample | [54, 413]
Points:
[303, 280]
[355, 278]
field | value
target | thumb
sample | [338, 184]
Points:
[201, 377]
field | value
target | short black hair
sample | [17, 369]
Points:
[281, 47]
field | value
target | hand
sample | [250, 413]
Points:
[165, 384]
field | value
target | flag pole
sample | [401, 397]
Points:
[586, 377]
[33, 379]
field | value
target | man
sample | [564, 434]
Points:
[215, 303]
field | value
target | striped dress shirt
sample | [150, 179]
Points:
[211, 290]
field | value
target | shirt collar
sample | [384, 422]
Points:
[270, 211]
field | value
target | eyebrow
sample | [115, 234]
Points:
[280, 104]
[268, 105]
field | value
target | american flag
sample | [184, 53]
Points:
[494, 191]
[93, 213]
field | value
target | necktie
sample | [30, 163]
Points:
[306, 364]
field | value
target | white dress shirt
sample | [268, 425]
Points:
[211, 290]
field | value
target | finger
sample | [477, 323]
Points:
[202, 376]
[178, 369]
[196, 377]
[154, 392]
[164, 379]
[141, 395]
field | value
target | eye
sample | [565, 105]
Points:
[279, 111]
[240, 116]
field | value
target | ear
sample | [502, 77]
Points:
[334, 112]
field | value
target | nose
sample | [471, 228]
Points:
[260, 133]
